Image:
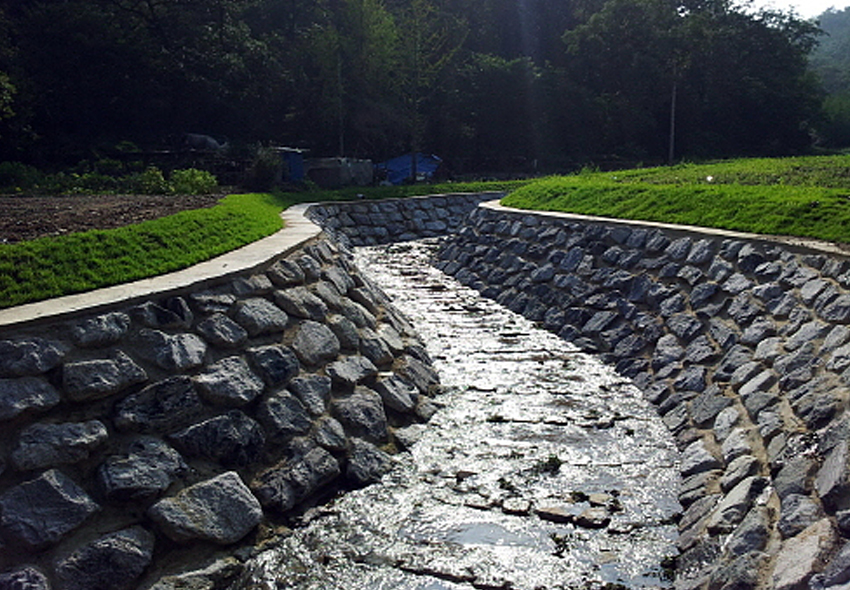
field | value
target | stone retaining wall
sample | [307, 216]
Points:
[744, 348]
[137, 440]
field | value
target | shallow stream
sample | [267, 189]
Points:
[543, 469]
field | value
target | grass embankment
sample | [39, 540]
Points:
[63, 265]
[807, 196]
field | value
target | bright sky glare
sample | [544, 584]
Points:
[805, 8]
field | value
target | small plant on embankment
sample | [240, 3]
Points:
[807, 197]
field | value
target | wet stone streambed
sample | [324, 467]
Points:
[543, 469]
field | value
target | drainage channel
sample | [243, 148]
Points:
[543, 469]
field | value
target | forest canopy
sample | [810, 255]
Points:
[483, 83]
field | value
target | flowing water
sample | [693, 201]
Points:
[543, 469]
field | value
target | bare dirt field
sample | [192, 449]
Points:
[27, 218]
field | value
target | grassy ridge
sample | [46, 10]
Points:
[792, 196]
[54, 266]
[64, 265]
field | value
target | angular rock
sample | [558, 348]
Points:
[734, 506]
[95, 379]
[374, 348]
[221, 510]
[706, 407]
[739, 469]
[24, 578]
[300, 302]
[171, 313]
[330, 434]
[284, 416]
[177, 352]
[685, 326]
[101, 330]
[229, 382]
[345, 331]
[232, 439]
[222, 331]
[352, 370]
[837, 571]
[736, 445]
[160, 407]
[39, 512]
[28, 358]
[837, 312]
[260, 316]
[112, 561]
[246, 286]
[314, 391]
[315, 344]
[397, 394]
[751, 535]
[366, 462]
[696, 459]
[282, 487]
[275, 363]
[362, 414]
[800, 557]
[208, 302]
[26, 394]
[667, 351]
[832, 482]
[798, 512]
[419, 374]
[50, 445]
[146, 471]
[285, 273]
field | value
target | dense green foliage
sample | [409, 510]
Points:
[105, 177]
[486, 84]
[792, 196]
[54, 266]
[831, 62]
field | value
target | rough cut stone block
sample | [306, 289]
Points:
[315, 344]
[285, 485]
[171, 313]
[284, 416]
[220, 330]
[838, 311]
[115, 561]
[51, 445]
[751, 535]
[160, 407]
[739, 469]
[260, 316]
[366, 462]
[832, 483]
[101, 330]
[696, 459]
[229, 382]
[221, 510]
[362, 414]
[26, 394]
[798, 512]
[39, 512]
[419, 374]
[345, 331]
[276, 364]
[24, 578]
[300, 302]
[233, 439]
[314, 391]
[397, 394]
[352, 370]
[173, 352]
[285, 273]
[800, 557]
[29, 357]
[734, 506]
[95, 379]
[148, 468]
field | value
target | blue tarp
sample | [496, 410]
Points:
[397, 170]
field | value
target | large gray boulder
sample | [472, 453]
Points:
[111, 562]
[315, 344]
[229, 382]
[221, 510]
[149, 467]
[233, 439]
[173, 352]
[362, 414]
[51, 445]
[26, 394]
[160, 407]
[95, 379]
[39, 512]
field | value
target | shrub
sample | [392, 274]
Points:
[151, 182]
[17, 176]
[193, 182]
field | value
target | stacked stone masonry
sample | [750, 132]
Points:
[196, 419]
[744, 348]
[137, 440]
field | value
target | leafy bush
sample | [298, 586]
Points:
[193, 182]
[150, 182]
[16, 176]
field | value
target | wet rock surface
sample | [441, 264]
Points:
[541, 469]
